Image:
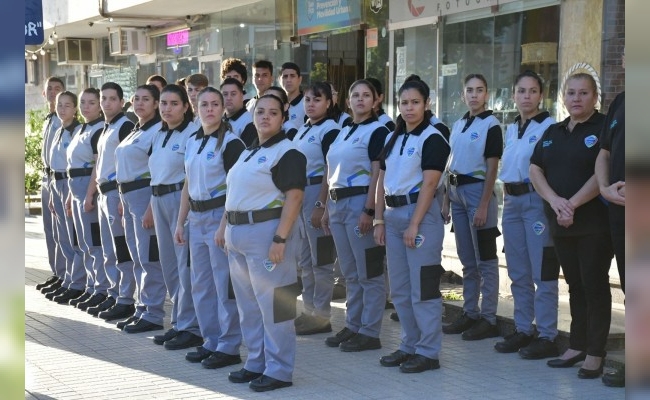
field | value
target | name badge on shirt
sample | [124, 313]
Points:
[591, 140]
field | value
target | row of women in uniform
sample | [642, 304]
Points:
[248, 211]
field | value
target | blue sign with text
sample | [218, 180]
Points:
[325, 15]
[34, 22]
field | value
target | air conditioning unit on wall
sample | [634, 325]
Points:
[76, 51]
[126, 41]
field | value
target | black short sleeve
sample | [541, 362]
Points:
[435, 152]
[442, 128]
[125, 129]
[537, 157]
[347, 121]
[231, 153]
[291, 133]
[390, 125]
[328, 139]
[494, 142]
[291, 171]
[377, 140]
[95, 138]
[249, 134]
[606, 134]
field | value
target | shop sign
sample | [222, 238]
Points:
[326, 15]
[178, 38]
[372, 37]
[34, 22]
[449, 69]
[376, 5]
[400, 10]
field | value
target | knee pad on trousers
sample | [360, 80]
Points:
[550, 265]
[430, 282]
[96, 236]
[325, 250]
[284, 302]
[75, 242]
[188, 257]
[487, 243]
[121, 249]
[375, 261]
[153, 248]
[231, 291]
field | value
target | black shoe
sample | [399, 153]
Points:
[338, 291]
[394, 316]
[419, 363]
[312, 324]
[395, 358]
[48, 282]
[199, 355]
[592, 373]
[341, 336]
[389, 305]
[94, 300]
[52, 287]
[80, 299]
[184, 340]
[68, 295]
[55, 292]
[481, 330]
[169, 335]
[615, 379]
[220, 360]
[142, 326]
[265, 383]
[513, 342]
[131, 320]
[118, 311]
[538, 349]
[361, 342]
[560, 363]
[461, 324]
[103, 306]
[243, 376]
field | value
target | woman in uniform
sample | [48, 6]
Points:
[476, 146]
[532, 264]
[562, 170]
[287, 125]
[210, 154]
[408, 222]
[134, 179]
[82, 197]
[352, 171]
[342, 118]
[313, 140]
[166, 164]
[260, 230]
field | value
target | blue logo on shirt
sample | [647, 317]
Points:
[419, 239]
[293, 116]
[261, 160]
[614, 122]
[532, 139]
[136, 140]
[210, 155]
[539, 228]
[356, 140]
[473, 136]
[175, 147]
[591, 140]
[547, 143]
[410, 152]
[311, 139]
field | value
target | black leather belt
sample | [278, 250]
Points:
[77, 172]
[342, 193]
[205, 205]
[134, 185]
[106, 187]
[47, 171]
[58, 175]
[458, 180]
[402, 200]
[314, 180]
[251, 217]
[159, 190]
[517, 189]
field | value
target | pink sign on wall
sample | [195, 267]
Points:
[178, 38]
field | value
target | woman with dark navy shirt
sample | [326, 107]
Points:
[476, 146]
[562, 170]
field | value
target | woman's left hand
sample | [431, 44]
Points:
[365, 223]
[564, 220]
[409, 236]
[276, 252]
[480, 216]
[147, 219]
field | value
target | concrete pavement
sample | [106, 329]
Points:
[72, 355]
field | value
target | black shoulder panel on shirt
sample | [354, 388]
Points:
[377, 140]
[125, 129]
[231, 153]
[95, 138]
[291, 171]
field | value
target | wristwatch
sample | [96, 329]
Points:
[279, 239]
[319, 204]
[369, 211]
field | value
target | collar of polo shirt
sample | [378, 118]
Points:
[236, 115]
[592, 120]
[418, 129]
[116, 118]
[277, 138]
[295, 101]
[482, 115]
[153, 121]
[179, 128]
[539, 118]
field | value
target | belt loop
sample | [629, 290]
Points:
[250, 217]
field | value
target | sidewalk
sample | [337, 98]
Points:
[72, 355]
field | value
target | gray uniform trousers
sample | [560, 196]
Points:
[173, 260]
[57, 265]
[75, 273]
[318, 271]
[212, 290]
[150, 284]
[415, 278]
[362, 265]
[118, 264]
[476, 250]
[266, 300]
[530, 256]
[88, 236]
